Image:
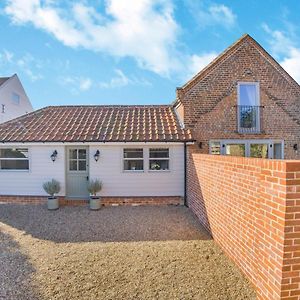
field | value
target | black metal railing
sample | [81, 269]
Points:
[249, 119]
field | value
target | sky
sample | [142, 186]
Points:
[133, 51]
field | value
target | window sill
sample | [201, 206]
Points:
[133, 171]
[159, 171]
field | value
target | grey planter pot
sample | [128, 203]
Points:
[52, 203]
[95, 203]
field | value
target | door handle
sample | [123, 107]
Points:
[87, 178]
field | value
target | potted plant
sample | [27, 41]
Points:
[51, 188]
[94, 186]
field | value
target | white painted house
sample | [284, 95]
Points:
[13, 99]
[136, 151]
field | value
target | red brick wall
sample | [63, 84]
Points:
[209, 101]
[106, 201]
[252, 209]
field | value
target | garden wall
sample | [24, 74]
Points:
[252, 209]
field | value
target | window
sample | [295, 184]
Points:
[278, 151]
[248, 148]
[259, 150]
[14, 159]
[215, 148]
[248, 107]
[133, 159]
[235, 149]
[15, 98]
[77, 160]
[159, 159]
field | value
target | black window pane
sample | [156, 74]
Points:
[133, 165]
[82, 154]
[159, 165]
[14, 164]
[82, 165]
[159, 153]
[73, 165]
[133, 153]
[14, 153]
[73, 153]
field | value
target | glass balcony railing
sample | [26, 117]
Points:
[249, 119]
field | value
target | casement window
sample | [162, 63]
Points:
[14, 159]
[235, 149]
[215, 148]
[133, 159]
[248, 107]
[158, 159]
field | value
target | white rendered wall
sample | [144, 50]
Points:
[41, 169]
[116, 182]
[12, 110]
[109, 169]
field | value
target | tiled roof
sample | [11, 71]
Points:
[3, 79]
[96, 124]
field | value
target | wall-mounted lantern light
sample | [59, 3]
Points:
[53, 155]
[200, 145]
[295, 147]
[97, 155]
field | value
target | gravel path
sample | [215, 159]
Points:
[115, 253]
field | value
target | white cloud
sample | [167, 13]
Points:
[121, 80]
[145, 30]
[25, 64]
[284, 48]
[211, 14]
[222, 14]
[85, 84]
[76, 83]
[291, 63]
[197, 62]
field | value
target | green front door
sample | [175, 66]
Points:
[77, 172]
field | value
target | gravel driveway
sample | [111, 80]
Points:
[115, 253]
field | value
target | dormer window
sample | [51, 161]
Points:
[15, 98]
[248, 112]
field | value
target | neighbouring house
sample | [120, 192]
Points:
[243, 104]
[13, 99]
[138, 152]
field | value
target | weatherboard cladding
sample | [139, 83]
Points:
[149, 123]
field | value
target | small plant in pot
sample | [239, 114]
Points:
[94, 187]
[52, 188]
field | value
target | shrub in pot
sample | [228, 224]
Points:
[52, 188]
[94, 186]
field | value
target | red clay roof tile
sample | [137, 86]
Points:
[149, 123]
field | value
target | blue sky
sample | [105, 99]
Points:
[133, 51]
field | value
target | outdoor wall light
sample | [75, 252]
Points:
[200, 145]
[295, 147]
[53, 155]
[97, 155]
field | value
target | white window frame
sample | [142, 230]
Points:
[139, 158]
[247, 144]
[257, 88]
[17, 170]
[158, 158]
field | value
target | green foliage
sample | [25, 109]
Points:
[94, 187]
[51, 187]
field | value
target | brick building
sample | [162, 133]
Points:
[243, 103]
